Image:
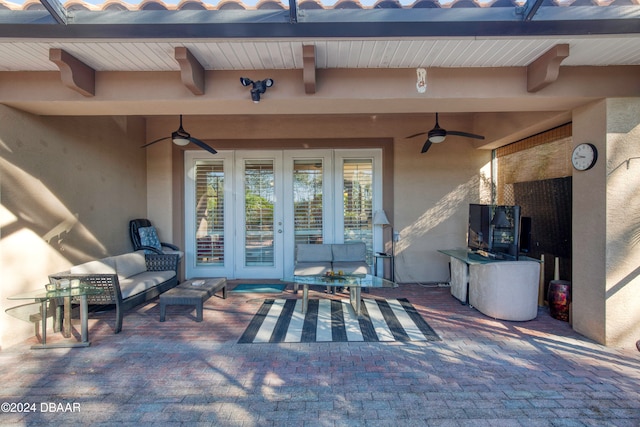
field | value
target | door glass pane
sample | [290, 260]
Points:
[307, 201]
[259, 182]
[209, 214]
[358, 201]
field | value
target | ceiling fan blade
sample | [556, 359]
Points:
[153, 142]
[202, 145]
[415, 134]
[465, 134]
[426, 146]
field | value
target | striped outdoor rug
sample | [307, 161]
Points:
[281, 320]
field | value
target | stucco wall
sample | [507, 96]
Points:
[589, 226]
[68, 188]
[606, 224]
[430, 193]
[431, 206]
[622, 290]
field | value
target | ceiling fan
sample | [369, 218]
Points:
[437, 134]
[182, 138]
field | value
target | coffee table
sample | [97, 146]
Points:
[355, 283]
[67, 294]
[192, 292]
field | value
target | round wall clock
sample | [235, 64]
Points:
[584, 156]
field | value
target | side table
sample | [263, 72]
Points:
[43, 297]
[383, 256]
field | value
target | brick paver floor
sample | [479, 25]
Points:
[484, 372]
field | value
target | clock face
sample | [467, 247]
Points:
[584, 156]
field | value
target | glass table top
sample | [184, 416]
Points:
[361, 280]
[58, 293]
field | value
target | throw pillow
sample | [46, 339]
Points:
[149, 237]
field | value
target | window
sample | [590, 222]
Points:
[358, 202]
[209, 213]
[307, 201]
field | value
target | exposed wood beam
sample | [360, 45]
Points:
[191, 71]
[544, 70]
[309, 68]
[75, 74]
[57, 10]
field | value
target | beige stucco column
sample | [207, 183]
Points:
[160, 186]
[606, 224]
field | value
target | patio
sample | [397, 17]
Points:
[483, 373]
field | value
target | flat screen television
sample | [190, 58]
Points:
[479, 228]
[494, 230]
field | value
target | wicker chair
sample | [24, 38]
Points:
[134, 232]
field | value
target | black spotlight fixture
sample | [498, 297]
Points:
[258, 87]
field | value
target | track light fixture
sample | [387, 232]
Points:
[258, 87]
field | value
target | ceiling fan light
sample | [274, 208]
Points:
[437, 135]
[181, 141]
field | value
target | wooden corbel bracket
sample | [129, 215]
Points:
[544, 70]
[309, 68]
[191, 71]
[75, 74]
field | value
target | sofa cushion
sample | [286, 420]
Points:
[130, 264]
[311, 268]
[149, 237]
[306, 252]
[351, 267]
[100, 266]
[349, 252]
[143, 281]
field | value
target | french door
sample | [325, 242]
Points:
[246, 210]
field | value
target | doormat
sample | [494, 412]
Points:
[259, 288]
[282, 320]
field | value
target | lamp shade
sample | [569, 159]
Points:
[380, 218]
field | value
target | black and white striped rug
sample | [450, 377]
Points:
[281, 320]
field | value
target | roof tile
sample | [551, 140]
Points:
[302, 4]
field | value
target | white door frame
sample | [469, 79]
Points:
[284, 247]
[192, 158]
[241, 269]
[326, 156]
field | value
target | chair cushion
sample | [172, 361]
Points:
[143, 281]
[349, 252]
[130, 264]
[149, 237]
[306, 252]
[311, 268]
[100, 266]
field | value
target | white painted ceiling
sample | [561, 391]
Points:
[158, 55]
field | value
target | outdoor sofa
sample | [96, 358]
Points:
[319, 259]
[128, 280]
